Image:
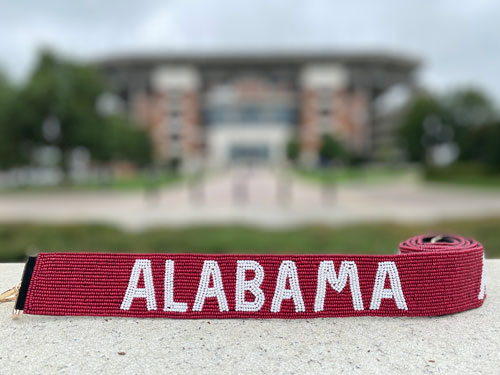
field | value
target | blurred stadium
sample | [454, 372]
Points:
[232, 134]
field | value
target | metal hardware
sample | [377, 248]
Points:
[11, 296]
[16, 314]
[436, 239]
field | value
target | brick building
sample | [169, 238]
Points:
[223, 109]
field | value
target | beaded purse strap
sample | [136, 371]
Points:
[431, 275]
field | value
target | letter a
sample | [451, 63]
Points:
[287, 271]
[210, 270]
[395, 291]
[141, 266]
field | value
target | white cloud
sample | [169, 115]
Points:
[458, 42]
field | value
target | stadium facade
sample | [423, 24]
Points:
[222, 109]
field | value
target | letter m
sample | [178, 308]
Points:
[326, 272]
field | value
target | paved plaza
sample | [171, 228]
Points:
[259, 197]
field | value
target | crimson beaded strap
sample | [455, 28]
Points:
[430, 276]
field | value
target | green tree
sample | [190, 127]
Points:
[412, 129]
[128, 142]
[331, 149]
[293, 149]
[66, 93]
[487, 145]
[57, 106]
[457, 117]
[8, 147]
[471, 109]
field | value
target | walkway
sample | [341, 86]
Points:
[261, 197]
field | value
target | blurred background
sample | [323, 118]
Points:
[247, 126]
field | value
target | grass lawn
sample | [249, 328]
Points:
[461, 174]
[135, 182]
[362, 174]
[466, 174]
[19, 240]
[138, 181]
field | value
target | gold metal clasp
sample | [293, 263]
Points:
[11, 294]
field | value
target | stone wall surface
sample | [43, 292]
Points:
[468, 342]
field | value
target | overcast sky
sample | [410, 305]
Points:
[458, 42]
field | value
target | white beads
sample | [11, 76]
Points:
[287, 271]
[482, 288]
[133, 291]
[287, 275]
[210, 270]
[253, 286]
[379, 292]
[326, 272]
[170, 304]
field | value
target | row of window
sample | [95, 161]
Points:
[250, 115]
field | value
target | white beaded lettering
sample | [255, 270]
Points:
[326, 272]
[379, 292]
[210, 270]
[170, 304]
[287, 271]
[482, 288]
[253, 286]
[133, 291]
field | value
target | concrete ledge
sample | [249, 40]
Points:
[468, 342]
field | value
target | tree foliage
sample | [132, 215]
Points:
[8, 149]
[473, 114]
[66, 93]
[125, 141]
[293, 149]
[331, 149]
[412, 130]
[465, 118]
